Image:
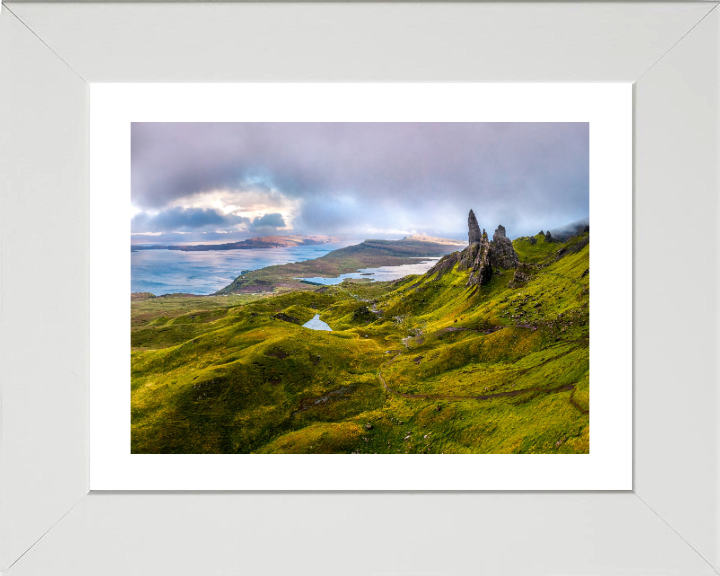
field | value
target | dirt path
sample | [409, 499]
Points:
[576, 405]
[348, 293]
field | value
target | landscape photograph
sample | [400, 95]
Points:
[360, 288]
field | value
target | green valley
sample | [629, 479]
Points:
[488, 352]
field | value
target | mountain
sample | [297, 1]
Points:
[261, 242]
[489, 354]
[433, 239]
[367, 254]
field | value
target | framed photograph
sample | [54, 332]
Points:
[368, 170]
[268, 333]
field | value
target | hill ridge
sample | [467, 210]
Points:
[494, 367]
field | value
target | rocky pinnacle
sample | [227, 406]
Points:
[474, 234]
[502, 253]
[499, 232]
[481, 256]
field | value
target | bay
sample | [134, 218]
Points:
[175, 271]
[380, 274]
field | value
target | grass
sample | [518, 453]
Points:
[531, 253]
[498, 369]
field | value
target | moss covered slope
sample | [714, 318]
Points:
[422, 364]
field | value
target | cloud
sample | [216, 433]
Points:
[357, 177]
[267, 223]
[178, 219]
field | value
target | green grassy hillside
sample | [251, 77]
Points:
[417, 365]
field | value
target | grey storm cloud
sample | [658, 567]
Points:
[183, 219]
[379, 176]
[267, 222]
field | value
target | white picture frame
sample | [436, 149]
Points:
[50, 523]
[606, 107]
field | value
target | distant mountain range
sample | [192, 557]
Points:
[434, 240]
[250, 243]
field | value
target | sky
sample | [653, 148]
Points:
[223, 182]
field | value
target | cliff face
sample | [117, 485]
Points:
[502, 254]
[478, 261]
[481, 256]
[473, 229]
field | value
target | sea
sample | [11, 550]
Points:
[175, 271]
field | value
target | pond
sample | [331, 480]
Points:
[316, 324]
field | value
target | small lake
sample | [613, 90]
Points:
[316, 324]
[381, 274]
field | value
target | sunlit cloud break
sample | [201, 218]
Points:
[357, 179]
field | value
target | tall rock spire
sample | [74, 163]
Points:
[474, 234]
[481, 256]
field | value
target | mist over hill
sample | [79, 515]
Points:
[565, 232]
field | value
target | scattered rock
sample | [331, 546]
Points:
[362, 314]
[523, 273]
[277, 353]
[368, 426]
[286, 318]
